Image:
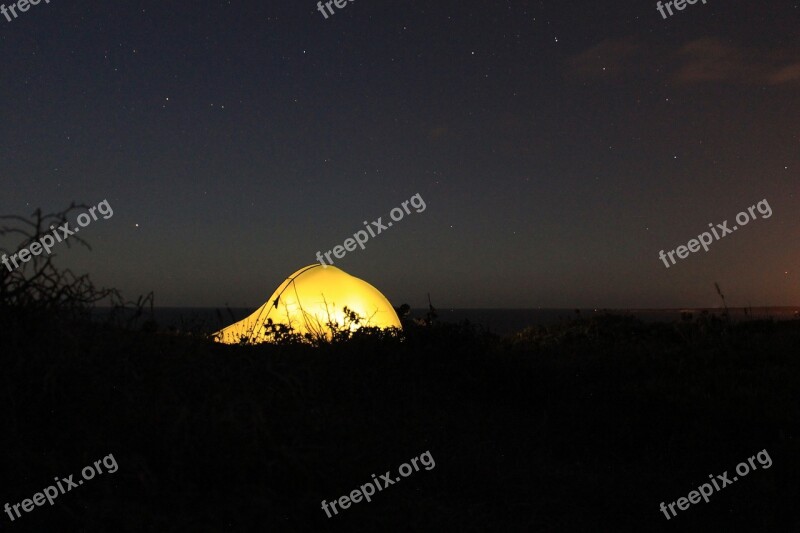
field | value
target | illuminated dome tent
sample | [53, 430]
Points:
[308, 299]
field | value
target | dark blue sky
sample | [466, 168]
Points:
[558, 146]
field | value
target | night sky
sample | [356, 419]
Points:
[558, 146]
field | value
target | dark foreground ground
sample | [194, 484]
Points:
[583, 427]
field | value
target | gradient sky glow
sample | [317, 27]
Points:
[558, 146]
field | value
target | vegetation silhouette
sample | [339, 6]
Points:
[584, 425]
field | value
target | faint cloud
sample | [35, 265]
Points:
[712, 60]
[707, 60]
[437, 134]
[787, 74]
[610, 58]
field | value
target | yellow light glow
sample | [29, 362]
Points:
[309, 299]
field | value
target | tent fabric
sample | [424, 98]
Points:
[309, 299]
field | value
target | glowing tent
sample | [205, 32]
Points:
[309, 299]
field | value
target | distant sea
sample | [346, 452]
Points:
[500, 321]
